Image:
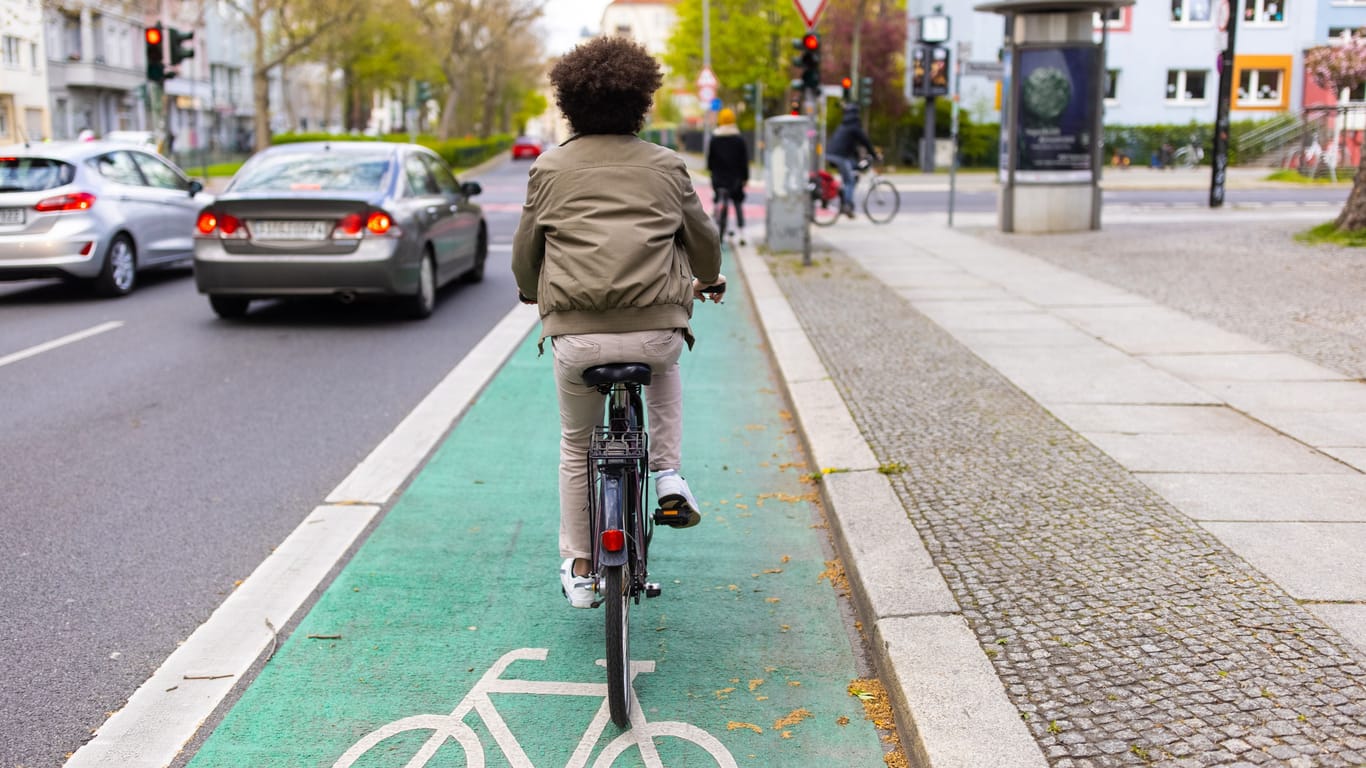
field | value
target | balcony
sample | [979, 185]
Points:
[77, 73]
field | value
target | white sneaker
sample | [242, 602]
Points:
[676, 503]
[577, 589]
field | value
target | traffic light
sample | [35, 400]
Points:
[748, 90]
[180, 45]
[156, 63]
[809, 60]
[865, 92]
[794, 107]
[847, 85]
[424, 91]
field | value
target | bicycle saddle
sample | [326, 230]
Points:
[614, 373]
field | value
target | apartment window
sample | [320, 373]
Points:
[71, 36]
[1111, 84]
[1260, 87]
[1191, 11]
[1185, 85]
[9, 55]
[1264, 11]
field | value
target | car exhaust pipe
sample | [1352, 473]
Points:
[347, 297]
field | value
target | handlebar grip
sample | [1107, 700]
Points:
[718, 289]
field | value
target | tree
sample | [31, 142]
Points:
[751, 42]
[281, 29]
[1337, 67]
[875, 30]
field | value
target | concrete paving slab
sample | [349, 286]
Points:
[932, 293]
[956, 317]
[1274, 366]
[1214, 453]
[1347, 618]
[1311, 561]
[1354, 457]
[1319, 429]
[796, 357]
[1157, 330]
[835, 440]
[1338, 498]
[1091, 373]
[1311, 396]
[1061, 337]
[1158, 419]
[961, 715]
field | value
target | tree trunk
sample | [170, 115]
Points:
[260, 88]
[1353, 214]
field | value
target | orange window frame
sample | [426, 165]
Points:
[1285, 64]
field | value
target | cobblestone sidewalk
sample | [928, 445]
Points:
[1122, 632]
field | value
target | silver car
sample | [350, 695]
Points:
[93, 211]
[340, 218]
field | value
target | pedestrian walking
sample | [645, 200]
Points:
[843, 153]
[728, 163]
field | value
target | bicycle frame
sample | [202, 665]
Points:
[618, 459]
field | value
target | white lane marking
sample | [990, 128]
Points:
[164, 713]
[168, 709]
[385, 469]
[38, 349]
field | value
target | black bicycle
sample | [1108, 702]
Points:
[618, 466]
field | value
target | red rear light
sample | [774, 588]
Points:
[76, 201]
[379, 222]
[613, 540]
[226, 224]
[350, 226]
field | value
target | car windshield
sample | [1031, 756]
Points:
[30, 174]
[326, 172]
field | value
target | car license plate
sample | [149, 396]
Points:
[11, 215]
[290, 230]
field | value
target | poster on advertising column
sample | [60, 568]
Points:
[1057, 113]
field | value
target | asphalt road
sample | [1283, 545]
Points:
[147, 468]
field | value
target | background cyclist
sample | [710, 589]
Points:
[728, 163]
[610, 239]
[842, 151]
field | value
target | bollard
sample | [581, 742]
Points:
[787, 169]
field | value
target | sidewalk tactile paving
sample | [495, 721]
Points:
[1123, 632]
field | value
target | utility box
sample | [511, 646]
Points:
[1051, 122]
[789, 144]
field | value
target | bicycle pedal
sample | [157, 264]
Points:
[652, 589]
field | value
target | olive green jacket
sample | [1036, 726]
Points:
[611, 236]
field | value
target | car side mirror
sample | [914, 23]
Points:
[195, 188]
[470, 188]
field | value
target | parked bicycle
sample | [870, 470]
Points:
[618, 466]
[880, 201]
[1191, 155]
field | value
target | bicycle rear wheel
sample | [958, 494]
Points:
[825, 212]
[617, 600]
[882, 202]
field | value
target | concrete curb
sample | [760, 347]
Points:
[952, 710]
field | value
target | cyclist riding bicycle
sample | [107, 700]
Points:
[728, 162]
[613, 247]
[842, 151]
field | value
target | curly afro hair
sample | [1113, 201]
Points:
[606, 86]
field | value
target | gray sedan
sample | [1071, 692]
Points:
[345, 219]
[93, 211]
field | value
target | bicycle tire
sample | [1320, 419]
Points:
[617, 601]
[825, 212]
[882, 202]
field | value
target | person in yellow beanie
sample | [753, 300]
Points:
[728, 163]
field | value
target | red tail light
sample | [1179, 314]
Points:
[226, 224]
[76, 201]
[613, 540]
[350, 226]
[379, 222]
[353, 226]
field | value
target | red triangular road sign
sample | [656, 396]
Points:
[810, 11]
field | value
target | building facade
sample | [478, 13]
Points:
[24, 114]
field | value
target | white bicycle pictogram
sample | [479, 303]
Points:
[452, 727]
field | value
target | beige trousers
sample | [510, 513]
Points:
[581, 409]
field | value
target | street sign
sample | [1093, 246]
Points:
[810, 10]
[716, 105]
[992, 70]
[707, 78]
[705, 94]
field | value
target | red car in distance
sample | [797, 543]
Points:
[527, 147]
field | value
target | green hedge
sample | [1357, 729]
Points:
[459, 153]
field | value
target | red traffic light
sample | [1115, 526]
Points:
[153, 35]
[847, 83]
[810, 42]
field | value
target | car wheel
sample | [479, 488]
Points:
[119, 273]
[481, 255]
[229, 307]
[421, 304]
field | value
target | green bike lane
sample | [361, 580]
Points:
[747, 641]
